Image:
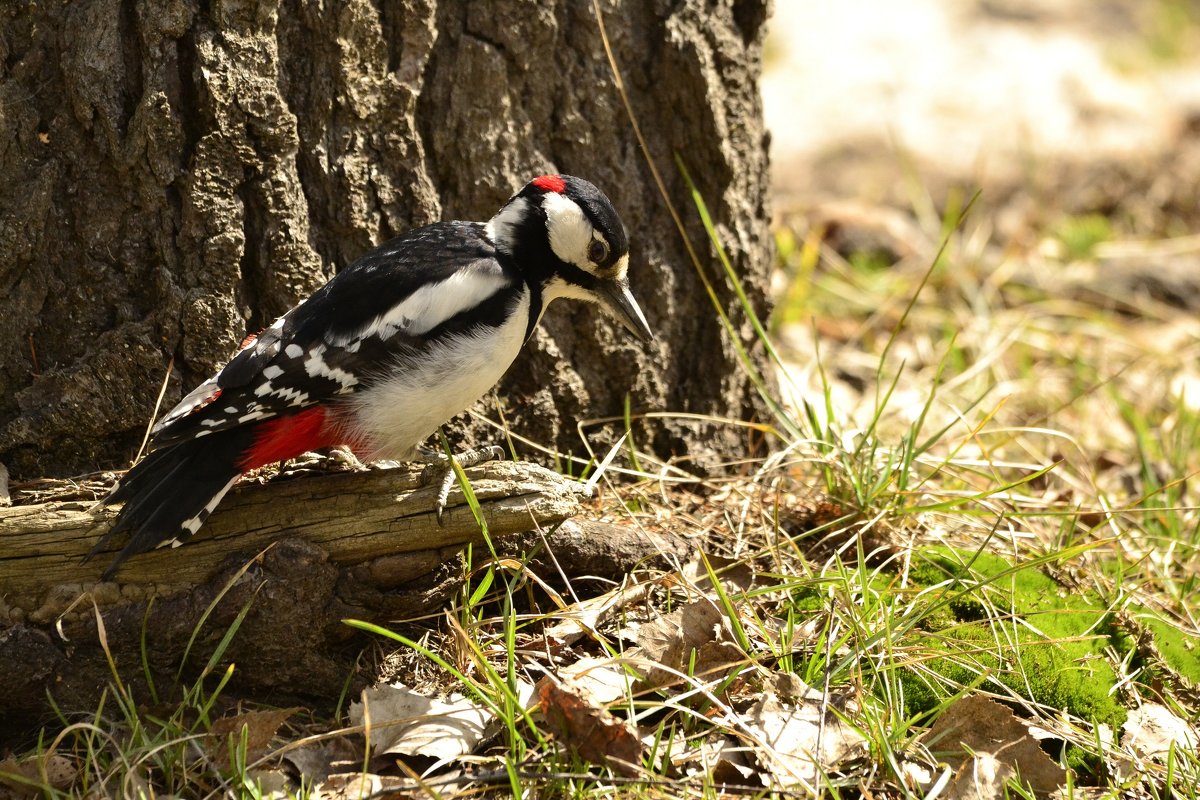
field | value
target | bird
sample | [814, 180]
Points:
[393, 346]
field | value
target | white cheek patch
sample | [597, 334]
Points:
[569, 230]
[621, 267]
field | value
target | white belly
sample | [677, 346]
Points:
[391, 418]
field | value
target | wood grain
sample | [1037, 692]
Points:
[354, 517]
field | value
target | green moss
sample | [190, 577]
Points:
[1178, 649]
[1016, 625]
[1080, 235]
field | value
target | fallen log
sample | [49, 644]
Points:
[384, 518]
[296, 557]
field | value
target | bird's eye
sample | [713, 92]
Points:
[597, 251]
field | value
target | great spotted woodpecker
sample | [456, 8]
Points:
[399, 342]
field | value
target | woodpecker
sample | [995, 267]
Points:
[399, 342]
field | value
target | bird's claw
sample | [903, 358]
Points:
[439, 468]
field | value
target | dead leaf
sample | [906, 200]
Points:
[358, 785]
[800, 737]
[604, 679]
[61, 771]
[314, 763]
[587, 727]
[18, 779]
[975, 724]
[25, 778]
[403, 722]
[270, 783]
[698, 627]
[915, 776]
[736, 576]
[585, 616]
[980, 778]
[1150, 730]
[728, 762]
[261, 727]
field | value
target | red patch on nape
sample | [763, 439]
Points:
[249, 340]
[550, 183]
[287, 437]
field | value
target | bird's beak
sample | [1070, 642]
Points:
[615, 296]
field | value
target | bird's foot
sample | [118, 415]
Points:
[341, 454]
[438, 468]
[338, 458]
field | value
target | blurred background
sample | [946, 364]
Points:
[976, 92]
[1065, 299]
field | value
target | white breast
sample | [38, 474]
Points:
[394, 416]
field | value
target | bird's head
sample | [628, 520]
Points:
[567, 237]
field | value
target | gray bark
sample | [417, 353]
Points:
[176, 174]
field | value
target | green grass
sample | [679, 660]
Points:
[1079, 235]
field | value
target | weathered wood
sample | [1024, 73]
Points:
[296, 557]
[382, 520]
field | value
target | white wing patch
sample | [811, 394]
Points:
[199, 397]
[431, 305]
[193, 524]
[315, 366]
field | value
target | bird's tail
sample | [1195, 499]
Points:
[170, 493]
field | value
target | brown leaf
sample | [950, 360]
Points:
[585, 616]
[975, 724]
[980, 778]
[725, 760]
[735, 575]
[357, 785]
[261, 727]
[316, 762]
[698, 627]
[61, 771]
[16, 777]
[588, 728]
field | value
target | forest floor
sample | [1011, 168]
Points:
[969, 566]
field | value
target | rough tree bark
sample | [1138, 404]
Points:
[176, 174]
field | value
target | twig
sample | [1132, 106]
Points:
[162, 390]
[37, 369]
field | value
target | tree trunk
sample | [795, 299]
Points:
[176, 174]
